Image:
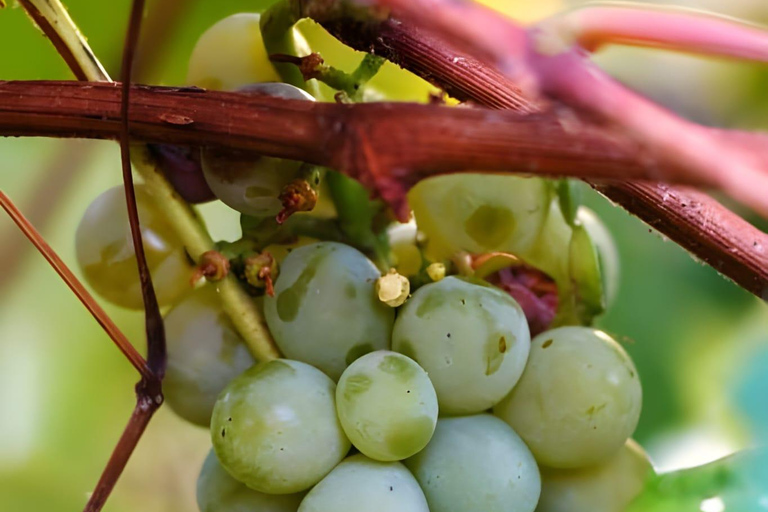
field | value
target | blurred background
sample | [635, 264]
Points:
[699, 342]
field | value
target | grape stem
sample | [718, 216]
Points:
[351, 84]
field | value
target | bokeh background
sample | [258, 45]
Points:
[700, 343]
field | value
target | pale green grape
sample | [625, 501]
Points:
[231, 54]
[275, 429]
[578, 400]
[204, 354]
[606, 487]
[406, 254]
[479, 213]
[106, 256]
[217, 491]
[360, 484]
[248, 183]
[476, 464]
[387, 405]
[325, 311]
[472, 340]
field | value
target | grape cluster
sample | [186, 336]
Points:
[480, 387]
[450, 404]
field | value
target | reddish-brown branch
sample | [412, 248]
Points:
[148, 399]
[727, 242]
[459, 74]
[76, 286]
[409, 141]
[722, 239]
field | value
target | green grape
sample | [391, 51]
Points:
[607, 252]
[479, 213]
[476, 464]
[248, 183]
[204, 354]
[360, 484]
[606, 487]
[472, 340]
[578, 400]
[231, 54]
[275, 429]
[217, 491]
[105, 251]
[325, 311]
[387, 405]
[406, 254]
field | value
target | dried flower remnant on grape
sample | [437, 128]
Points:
[261, 271]
[213, 266]
[436, 271]
[297, 196]
[393, 288]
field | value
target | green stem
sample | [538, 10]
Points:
[185, 222]
[280, 37]
[352, 84]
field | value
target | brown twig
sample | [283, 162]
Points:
[408, 141]
[149, 394]
[146, 405]
[76, 286]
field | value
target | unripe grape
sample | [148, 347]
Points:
[387, 405]
[106, 256]
[606, 487]
[217, 491]
[248, 183]
[204, 354]
[578, 400]
[476, 463]
[472, 340]
[325, 311]
[479, 213]
[231, 54]
[361, 484]
[275, 429]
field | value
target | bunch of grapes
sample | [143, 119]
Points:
[447, 364]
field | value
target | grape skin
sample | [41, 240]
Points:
[325, 311]
[476, 463]
[387, 405]
[204, 354]
[361, 484]
[472, 340]
[231, 54]
[606, 487]
[578, 400]
[106, 255]
[248, 183]
[275, 429]
[217, 491]
[479, 213]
